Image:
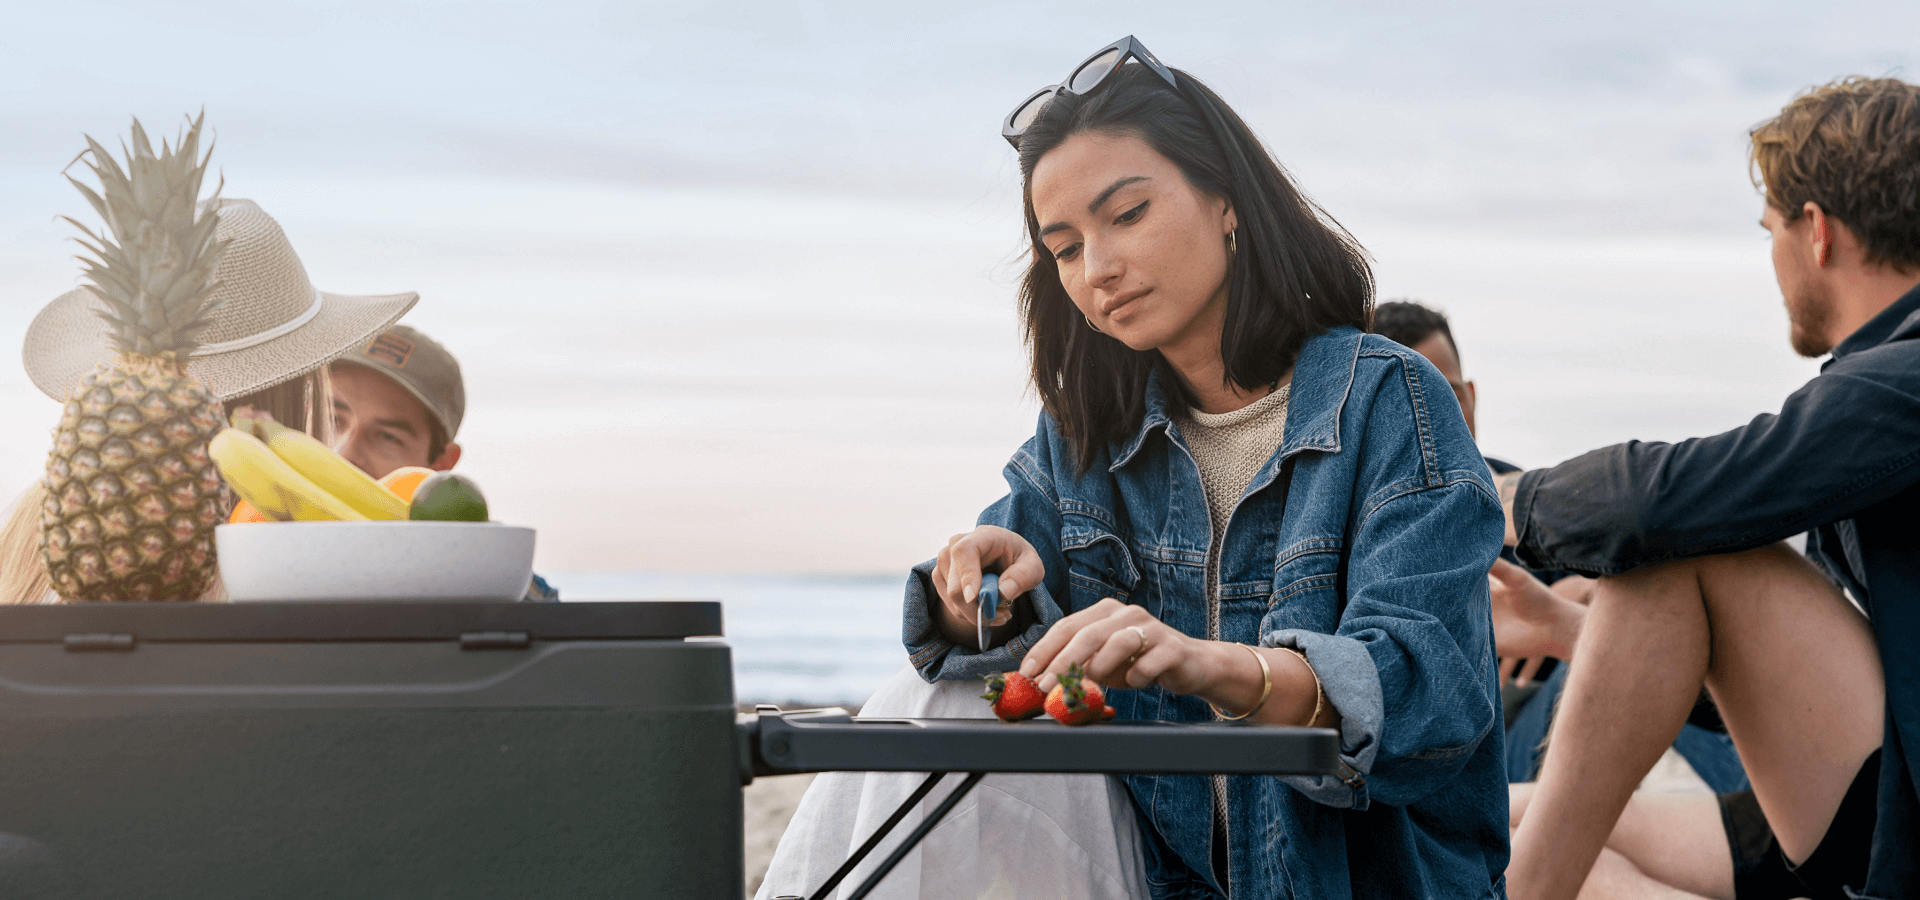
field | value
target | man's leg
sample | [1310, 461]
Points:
[1675, 841]
[1790, 663]
[1615, 877]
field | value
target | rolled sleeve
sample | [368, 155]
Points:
[1352, 684]
[1410, 667]
[1029, 509]
[939, 659]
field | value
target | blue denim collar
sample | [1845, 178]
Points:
[1322, 378]
[1897, 321]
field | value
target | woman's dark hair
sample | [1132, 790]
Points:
[1296, 272]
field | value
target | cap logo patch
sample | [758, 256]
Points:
[391, 348]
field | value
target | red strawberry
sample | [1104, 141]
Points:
[1014, 696]
[1077, 701]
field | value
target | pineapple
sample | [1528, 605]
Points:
[132, 497]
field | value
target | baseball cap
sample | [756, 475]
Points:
[419, 364]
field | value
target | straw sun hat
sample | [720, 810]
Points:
[271, 326]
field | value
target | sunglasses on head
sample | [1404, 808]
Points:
[1085, 79]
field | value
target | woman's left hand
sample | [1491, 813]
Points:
[1118, 645]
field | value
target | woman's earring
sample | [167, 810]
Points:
[1096, 328]
[1233, 246]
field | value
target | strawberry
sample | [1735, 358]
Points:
[1014, 696]
[1077, 701]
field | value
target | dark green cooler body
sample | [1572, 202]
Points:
[367, 750]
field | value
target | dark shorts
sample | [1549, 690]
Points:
[1761, 873]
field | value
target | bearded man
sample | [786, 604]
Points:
[1696, 587]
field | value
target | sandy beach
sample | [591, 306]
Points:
[769, 804]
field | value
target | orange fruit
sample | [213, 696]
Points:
[405, 480]
[245, 512]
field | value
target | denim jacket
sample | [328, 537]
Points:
[1364, 543]
[1841, 461]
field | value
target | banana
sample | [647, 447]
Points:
[327, 469]
[273, 487]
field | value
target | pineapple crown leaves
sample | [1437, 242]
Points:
[153, 264]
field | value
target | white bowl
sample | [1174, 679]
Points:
[375, 560]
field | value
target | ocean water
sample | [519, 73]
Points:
[796, 639]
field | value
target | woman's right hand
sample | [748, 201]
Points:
[956, 578]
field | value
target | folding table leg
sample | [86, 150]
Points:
[933, 818]
[846, 868]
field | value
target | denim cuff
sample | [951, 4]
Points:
[1522, 518]
[939, 659]
[1351, 682]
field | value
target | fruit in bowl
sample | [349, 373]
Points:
[311, 526]
[446, 497]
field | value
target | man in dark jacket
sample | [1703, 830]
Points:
[1697, 587]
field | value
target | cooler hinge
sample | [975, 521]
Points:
[112, 642]
[495, 640]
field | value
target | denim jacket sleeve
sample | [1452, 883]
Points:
[1410, 667]
[1030, 508]
[1846, 440]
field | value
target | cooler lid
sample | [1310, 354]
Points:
[360, 621]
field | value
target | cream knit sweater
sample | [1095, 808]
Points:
[1230, 448]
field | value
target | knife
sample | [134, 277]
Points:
[989, 607]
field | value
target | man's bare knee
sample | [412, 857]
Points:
[1689, 583]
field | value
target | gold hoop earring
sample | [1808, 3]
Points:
[1096, 328]
[1233, 246]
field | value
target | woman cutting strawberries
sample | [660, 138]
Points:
[1237, 506]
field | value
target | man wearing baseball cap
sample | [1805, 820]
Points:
[398, 401]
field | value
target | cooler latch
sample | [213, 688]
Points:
[495, 640]
[110, 642]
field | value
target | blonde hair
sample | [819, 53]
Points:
[23, 574]
[305, 402]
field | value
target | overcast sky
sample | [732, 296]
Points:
[733, 284]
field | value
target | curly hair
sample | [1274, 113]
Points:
[1853, 147]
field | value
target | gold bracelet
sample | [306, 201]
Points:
[1266, 687]
[1319, 694]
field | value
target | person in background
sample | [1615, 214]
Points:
[267, 349]
[1426, 331]
[1529, 689]
[1699, 586]
[397, 401]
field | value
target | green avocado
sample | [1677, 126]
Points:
[446, 497]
